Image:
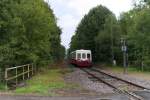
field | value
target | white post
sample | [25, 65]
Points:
[23, 72]
[16, 77]
[32, 68]
[6, 79]
[28, 71]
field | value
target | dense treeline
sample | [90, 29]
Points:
[135, 26]
[28, 33]
[101, 32]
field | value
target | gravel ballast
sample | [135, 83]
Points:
[136, 80]
[81, 78]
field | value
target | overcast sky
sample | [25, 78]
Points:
[70, 12]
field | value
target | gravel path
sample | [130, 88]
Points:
[81, 78]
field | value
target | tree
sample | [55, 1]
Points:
[89, 28]
[136, 25]
[28, 33]
[108, 41]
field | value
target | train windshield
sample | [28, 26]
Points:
[88, 56]
[83, 55]
[79, 56]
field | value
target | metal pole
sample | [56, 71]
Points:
[124, 63]
[112, 43]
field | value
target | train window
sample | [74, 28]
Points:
[83, 55]
[88, 56]
[73, 55]
[79, 55]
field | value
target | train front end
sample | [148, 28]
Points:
[82, 58]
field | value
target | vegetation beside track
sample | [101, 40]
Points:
[29, 34]
[2, 87]
[45, 82]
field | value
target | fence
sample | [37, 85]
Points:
[15, 73]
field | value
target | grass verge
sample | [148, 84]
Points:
[44, 82]
[2, 87]
[132, 71]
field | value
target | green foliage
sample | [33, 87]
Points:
[2, 87]
[108, 41]
[137, 25]
[28, 33]
[100, 32]
[97, 34]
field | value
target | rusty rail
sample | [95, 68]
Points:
[128, 82]
[131, 95]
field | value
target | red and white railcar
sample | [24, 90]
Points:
[82, 58]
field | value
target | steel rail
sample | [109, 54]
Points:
[131, 83]
[99, 79]
[136, 97]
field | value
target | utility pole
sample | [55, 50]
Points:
[112, 42]
[124, 50]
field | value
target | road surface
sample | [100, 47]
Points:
[144, 94]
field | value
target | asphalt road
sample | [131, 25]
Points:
[144, 94]
[46, 98]
[119, 97]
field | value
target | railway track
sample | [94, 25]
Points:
[119, 85]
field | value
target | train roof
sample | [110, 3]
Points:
[82, 50]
